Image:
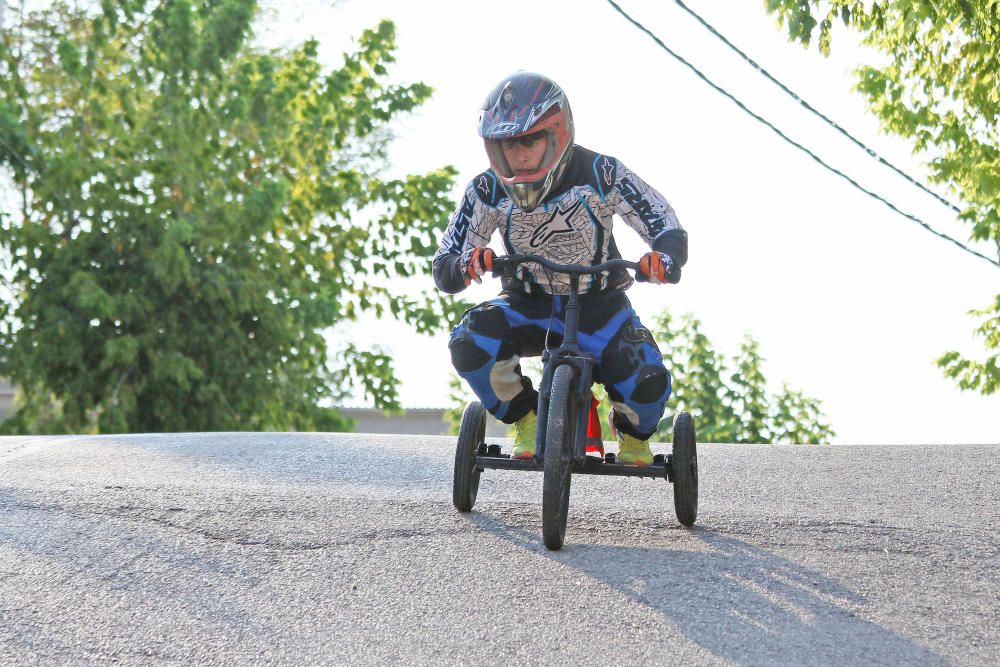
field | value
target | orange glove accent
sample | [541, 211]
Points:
[478, 262]
[654, 267]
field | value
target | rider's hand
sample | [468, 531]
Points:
[654, 267]
[475, 262]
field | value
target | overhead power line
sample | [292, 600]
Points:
[832, 123]
[794, 143]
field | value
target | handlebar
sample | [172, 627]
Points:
[500, 264]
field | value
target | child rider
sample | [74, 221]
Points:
[550, 197]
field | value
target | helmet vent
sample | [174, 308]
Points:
[507, 96]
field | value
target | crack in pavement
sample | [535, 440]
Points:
[169, 518]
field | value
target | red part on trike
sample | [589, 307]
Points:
[595, 438]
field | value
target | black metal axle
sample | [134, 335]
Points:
[590, 466]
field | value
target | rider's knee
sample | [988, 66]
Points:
[466, 356]
[652, 385]
[488, 320]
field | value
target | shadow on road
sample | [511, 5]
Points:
[87, 560]
[742, 603]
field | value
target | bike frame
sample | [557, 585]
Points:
[568, 352]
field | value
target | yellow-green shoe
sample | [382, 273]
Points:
[633, 451]
[524, 436]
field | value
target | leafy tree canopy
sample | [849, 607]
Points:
[941, 90]
[193, 213]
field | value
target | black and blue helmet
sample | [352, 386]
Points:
[522, 104]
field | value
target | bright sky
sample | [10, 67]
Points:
[850, 302]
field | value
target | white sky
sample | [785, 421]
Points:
[850, 302]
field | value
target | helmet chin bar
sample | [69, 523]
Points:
[527, 196]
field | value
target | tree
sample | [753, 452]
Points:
[688, 354]
[980, 376]
[939, 90]
[728, 397]
[750, 403]
[796, 418]
[195, 213]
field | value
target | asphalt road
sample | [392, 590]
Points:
[345, 549]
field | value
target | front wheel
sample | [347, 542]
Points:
[559, 433]
[471, 434]
[684, 464]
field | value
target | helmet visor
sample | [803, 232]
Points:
[524, 158]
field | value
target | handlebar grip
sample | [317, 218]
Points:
[500, 264]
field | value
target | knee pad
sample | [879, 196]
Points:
[488, 320]
[653, 385]
[466, 356]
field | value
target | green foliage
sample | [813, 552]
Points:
[749, 398]
[700, 389]
[797, 418]
[983, 377]
[941, 90]
[370, 370]
[194, 214]
[728, 396]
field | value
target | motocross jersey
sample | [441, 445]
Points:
[572, 226]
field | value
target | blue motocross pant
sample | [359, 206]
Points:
[489, 342]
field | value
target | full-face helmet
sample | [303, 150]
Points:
[528, 107]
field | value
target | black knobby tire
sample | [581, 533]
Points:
[471, 434]
[559, 433]
[684, 463]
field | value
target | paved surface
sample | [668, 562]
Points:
[345, 549]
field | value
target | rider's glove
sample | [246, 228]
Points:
[654, 267]
[475, 262]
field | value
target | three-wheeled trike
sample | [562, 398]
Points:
[564, 398]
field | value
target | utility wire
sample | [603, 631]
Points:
[791, 141]
[871, 152]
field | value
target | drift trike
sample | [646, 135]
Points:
[564, 397]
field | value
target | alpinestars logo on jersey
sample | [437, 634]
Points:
[608, 173]
[557, 223]
[483, 186]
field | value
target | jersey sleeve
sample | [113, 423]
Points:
[647, 212]
[472, 225]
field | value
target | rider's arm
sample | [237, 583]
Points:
[472, 225]
[646, 211]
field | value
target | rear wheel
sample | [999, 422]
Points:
[684, 464]
[559, 432]
[471, 434]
